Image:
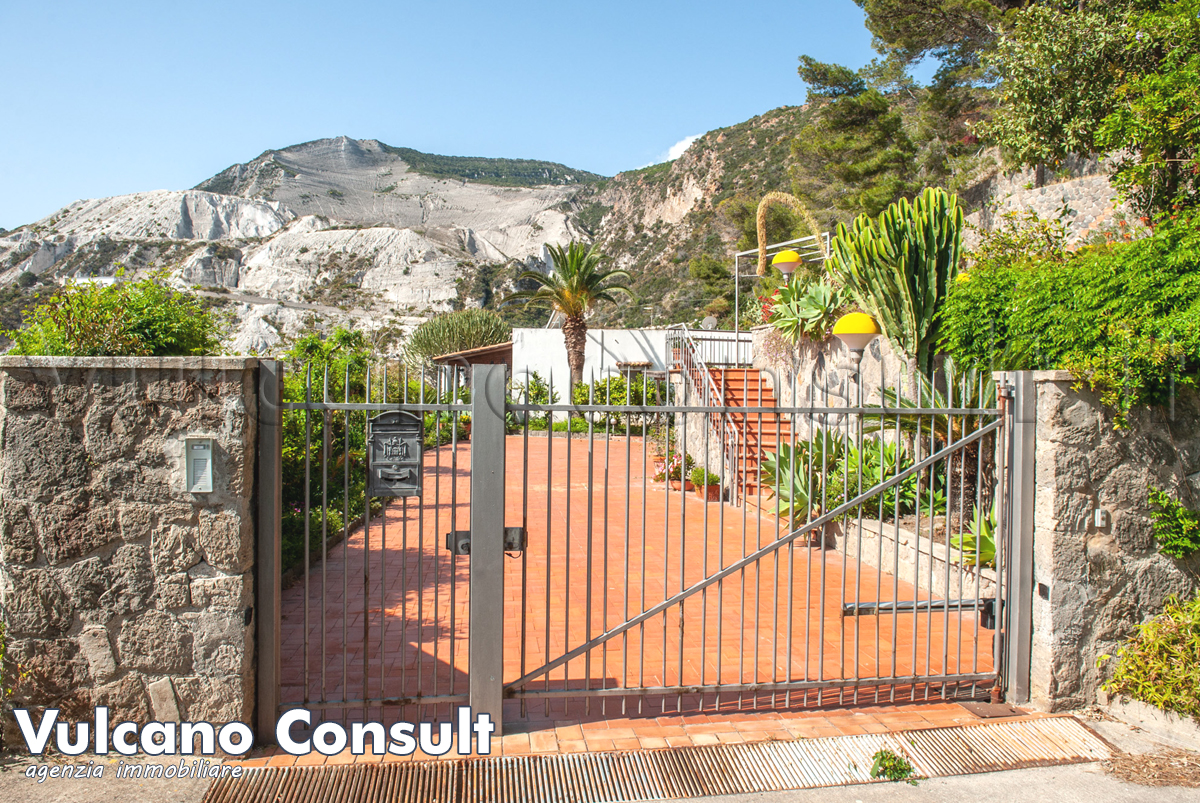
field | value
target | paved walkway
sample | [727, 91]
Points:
[605, 543]
[680, 730]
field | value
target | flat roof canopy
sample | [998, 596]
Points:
[499, 353]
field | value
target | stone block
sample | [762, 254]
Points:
[70, 402]
[67, 532]
[155, 642]
[174, 549]
[86, 582]
[162, 700]
[220, 593]
[136, 520]
[131, 580]
[39, 457]
[18, 543]
[220, 643]
[96, 648]
[227, 544]
[126, 699]
[34, 602]
[25, 394]
[173, 591]
[216, 700]
[57, 671]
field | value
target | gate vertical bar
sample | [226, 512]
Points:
[267, 548]
[485, 664]
[1021, 486]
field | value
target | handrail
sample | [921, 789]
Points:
[692, 364]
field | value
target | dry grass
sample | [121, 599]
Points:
[1168, 768]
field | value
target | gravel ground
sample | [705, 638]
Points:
[15, 787]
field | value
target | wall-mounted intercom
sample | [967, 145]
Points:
[198, 463]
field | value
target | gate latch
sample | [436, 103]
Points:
[458, 542]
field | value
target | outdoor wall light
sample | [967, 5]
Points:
[786, 261]
[856, 330]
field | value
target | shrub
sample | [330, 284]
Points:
[534, 390]
[455, 331]
[142, 318]
[892, 766]
[1125, 318]
[1176, 528]
[701, 478]
[1160, 664]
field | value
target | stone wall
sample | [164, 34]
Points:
[1080, 191]
[1094, 585]
[118, 586]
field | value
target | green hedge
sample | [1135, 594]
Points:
[1124, 317]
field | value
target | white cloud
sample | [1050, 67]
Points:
[675, 151]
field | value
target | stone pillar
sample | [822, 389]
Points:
[118, 586]
[1094, 585]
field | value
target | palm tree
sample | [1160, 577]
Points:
[573, 287]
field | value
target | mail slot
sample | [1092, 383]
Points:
[394, 455]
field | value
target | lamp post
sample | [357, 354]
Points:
[857, 330]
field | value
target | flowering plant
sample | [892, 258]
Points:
[675, 467]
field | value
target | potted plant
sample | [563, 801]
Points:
[707, 484]
[674, 472]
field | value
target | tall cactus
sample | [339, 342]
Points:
[899, 267]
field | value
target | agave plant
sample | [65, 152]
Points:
[796, 474]
[806, 309]
[978, 545]
[899, 267]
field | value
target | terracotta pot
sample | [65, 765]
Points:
[676, 484]
[710, 493]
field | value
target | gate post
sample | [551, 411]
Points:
[267, 557]
[1022, 485]
[485, 663]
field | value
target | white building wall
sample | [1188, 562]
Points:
[544, 351]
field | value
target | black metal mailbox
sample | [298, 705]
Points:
[394, 454]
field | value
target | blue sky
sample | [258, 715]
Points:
[108, 98]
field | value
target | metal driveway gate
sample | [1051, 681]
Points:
[361, 606]
[637, 594]
[613, 586]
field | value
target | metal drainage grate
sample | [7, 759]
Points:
[672, 773]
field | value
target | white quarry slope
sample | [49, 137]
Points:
[362, 181]
[333, 231]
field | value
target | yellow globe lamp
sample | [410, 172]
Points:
[856, 330]
[786, 262]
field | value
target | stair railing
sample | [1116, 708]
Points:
[691, 353]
